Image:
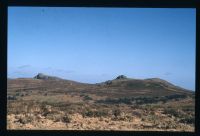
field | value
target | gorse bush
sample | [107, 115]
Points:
[175, 112]
[66, 118]
[86, 97]
[188, 120]
[171, 111]
[117, 112]
[136, 113]
[11, 98]
[96, 113]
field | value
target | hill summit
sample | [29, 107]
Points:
[46, 77]
[121, 77]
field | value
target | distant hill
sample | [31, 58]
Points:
[120, 86]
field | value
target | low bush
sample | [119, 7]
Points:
[26, 119]
[86, 97]
[174, 112]
[117, 112]
[188, 120]
[66, 118]
[11, 98]
[96, 113]
[137, 113]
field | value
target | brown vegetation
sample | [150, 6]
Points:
[120, 104]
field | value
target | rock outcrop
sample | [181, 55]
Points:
[121, 77]
[46, 77]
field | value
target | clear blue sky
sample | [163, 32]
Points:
[97, 44]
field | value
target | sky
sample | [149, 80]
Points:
[93, 45]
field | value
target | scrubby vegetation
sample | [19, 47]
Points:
[107, 106]
[142, 99]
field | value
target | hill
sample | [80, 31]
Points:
[128, 104]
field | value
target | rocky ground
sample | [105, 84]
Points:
[77, 121]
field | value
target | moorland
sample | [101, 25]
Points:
[46, 102]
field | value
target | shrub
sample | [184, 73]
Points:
[87, 97]
[89, 113]
[17, 94]
[102, 113]
[26, 119]
[96, 113]
[81, 95]
[66, 119]
[117, 112]
[174, 112]
[136, 113]
[187, 120]
[11, 98]
[188, 108]
[46, 109]
[151, 117]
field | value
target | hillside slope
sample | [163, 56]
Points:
[48, 102]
